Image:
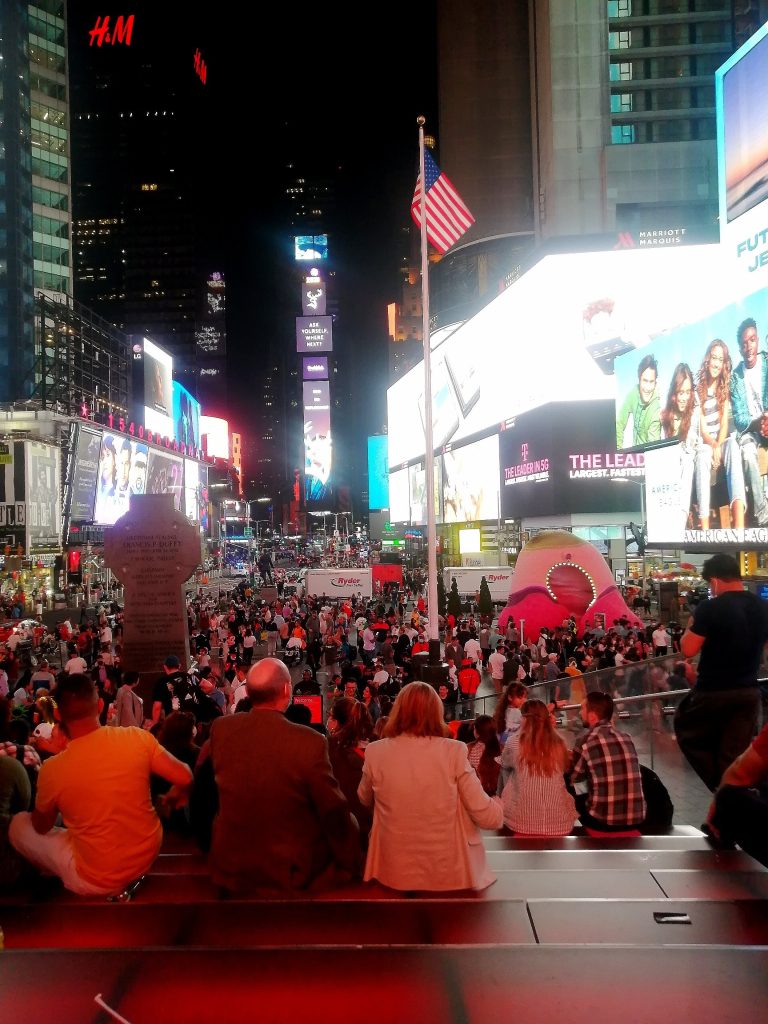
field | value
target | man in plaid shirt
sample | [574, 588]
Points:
[607, 761]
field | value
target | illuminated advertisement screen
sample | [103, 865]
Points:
[315, 368]
[417, 490]
[562, 457]
[122, 473]
[378, 476]
[314, 334]
[471, 482]
[216, 295]
[216, 434]
[399, 502]
[313, 298]
[555, 350]
[196, 493]
[164, 476]
[186, 417]
[741, 89]
[85, 475]
[663, 388]
[156, 389]
[310, 247]
[43, 471]
[317, 438]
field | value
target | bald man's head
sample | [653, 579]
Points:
[269, 684]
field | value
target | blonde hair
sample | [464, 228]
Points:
[542, 751]
[417, 711]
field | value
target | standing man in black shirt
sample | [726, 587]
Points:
[716, 721]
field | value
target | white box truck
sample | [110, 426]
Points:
[338, 582]
[498, 578]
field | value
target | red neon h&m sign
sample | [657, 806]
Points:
[101, 32]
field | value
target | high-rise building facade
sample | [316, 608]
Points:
[138, 110]
[35, 248]
[562, 119]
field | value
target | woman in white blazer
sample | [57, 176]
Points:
[427, 800]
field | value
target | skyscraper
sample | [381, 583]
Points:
[138, 109]
[35, 182]
[562, 119]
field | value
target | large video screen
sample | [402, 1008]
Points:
[741, 87]
[399, 506]
[43, 498]
[690, 383]
[186, 417]
[310, 247]
[745, 102]
[164, 476]
[417, 490]
[315, 368]
[552, 336]
[157, 395]
[378, 477]
[196, 493]
[122, 472]
[471, 482]
[318, 442]
[314, 334]
[563, 457]
[84, 476]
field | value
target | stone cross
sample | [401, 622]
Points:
[153, 550]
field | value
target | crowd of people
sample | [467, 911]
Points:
[393, 784]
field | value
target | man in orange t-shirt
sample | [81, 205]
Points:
[100, 785]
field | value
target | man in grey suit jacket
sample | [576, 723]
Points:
[283, 824]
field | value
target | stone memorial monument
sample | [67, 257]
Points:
[153, 550]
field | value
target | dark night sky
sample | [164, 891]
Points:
[347, 88]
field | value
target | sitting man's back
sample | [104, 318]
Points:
[607, 761]
[283, 823]
[100, 784]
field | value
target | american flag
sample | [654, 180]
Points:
[447, 216]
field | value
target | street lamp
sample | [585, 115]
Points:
[639, 535]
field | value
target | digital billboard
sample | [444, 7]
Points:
[164, 476]
[310, 247]
[122, 472]
[552, 336]
[216, 433]
[84, 475]
[196, 493]
[399, 502]
[314, 334]
[741, 87]
[186, 417]
[471, 482]
[417, 490]
[315, 368]
[318, 450]
[313, 297]
[153, 387]
[378, 477]
[662, 388]
[43, 469]
[13, 494]
[556, 458]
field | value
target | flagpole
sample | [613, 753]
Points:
[434, 634]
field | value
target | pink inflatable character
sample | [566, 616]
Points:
[558, 575]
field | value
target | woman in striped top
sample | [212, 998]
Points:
[535, 799]
[717, 448]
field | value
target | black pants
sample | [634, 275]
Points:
[741, 816]
[714, 727]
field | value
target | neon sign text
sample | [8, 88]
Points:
[122, 32]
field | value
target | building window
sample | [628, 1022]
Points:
[622, 133]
